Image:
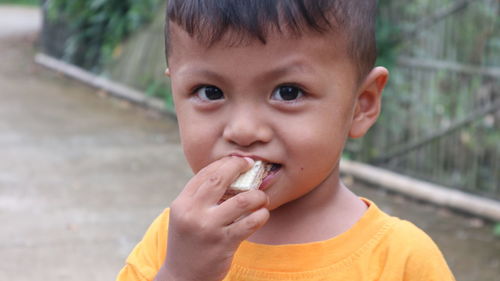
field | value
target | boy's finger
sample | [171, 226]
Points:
[240, 205]
[246, 226]
[217, 179]
[194, 183]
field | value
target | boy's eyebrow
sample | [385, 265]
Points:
[279, 71]
[287, 68]
[205, 72]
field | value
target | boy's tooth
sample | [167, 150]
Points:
[250, 179]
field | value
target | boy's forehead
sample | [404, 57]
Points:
[180, 41]
[306, 56]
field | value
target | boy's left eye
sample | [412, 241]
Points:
[287, 93]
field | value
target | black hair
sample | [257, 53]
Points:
[209, 20]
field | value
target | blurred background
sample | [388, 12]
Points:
[83, 173]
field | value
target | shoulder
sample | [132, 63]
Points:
[398, 233]
[148, 255]
[408, 235]
[422, 258]
[156, 234]
[155, 237]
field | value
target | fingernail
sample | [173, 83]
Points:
[249, 160]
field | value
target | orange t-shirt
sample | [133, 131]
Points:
[377, 247]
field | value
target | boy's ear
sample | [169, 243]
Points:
[368, 101]
[167, 72]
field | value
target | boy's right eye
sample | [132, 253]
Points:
[209, 93]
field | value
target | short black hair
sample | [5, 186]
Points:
[210, 20]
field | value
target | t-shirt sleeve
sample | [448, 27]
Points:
[148, 255]
[424, 260]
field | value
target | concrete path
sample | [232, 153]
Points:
[15, 20]
[83, 175]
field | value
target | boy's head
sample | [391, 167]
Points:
[281, 81]
[242, 21]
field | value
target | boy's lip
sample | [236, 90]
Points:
[254, 157]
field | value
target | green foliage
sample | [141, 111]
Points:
[387, 34]
[387, 44]
[160, 89]
[496, 229]
[97, 27]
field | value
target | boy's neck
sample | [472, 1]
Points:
[320, 215]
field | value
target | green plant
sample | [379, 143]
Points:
[97, 27]
[387, 43]
[160, 89]
[496, 229]
[387, 35]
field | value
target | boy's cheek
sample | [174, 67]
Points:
[198, 150]
[194, 161]
[195, 158]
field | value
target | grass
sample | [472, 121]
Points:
[21, 2]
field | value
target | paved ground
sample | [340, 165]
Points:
[82, 176]
[16, 20]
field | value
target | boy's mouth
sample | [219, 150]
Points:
[257, 177]
[271, 170]
[272, 166]
[254, 177]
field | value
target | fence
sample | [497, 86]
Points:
[441, 110]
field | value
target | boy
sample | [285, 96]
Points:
[285, 82]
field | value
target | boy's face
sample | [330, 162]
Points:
[289, 102]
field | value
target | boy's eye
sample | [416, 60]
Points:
[209, 93]
[287, 93]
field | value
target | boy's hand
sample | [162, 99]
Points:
[203, 235]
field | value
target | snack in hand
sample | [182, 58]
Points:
[251, 179]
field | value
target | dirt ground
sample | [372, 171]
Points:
[82, 175]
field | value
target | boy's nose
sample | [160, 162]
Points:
[245, 128]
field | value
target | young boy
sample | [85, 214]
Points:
[285, 82]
